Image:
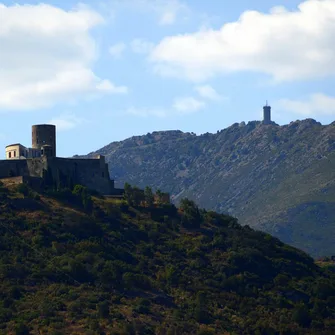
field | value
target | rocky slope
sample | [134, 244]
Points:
[277, 178]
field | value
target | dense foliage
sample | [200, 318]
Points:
[116, 268]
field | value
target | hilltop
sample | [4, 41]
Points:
[280, 179]
[71, 263]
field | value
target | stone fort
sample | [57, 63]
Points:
[33, 164]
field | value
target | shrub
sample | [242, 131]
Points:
[143, 306]
[124, 207]
[103, 309]
[132, 281]
[22, 330]
[36, 197]
[205, 332]
[75, 308]
[302, 316]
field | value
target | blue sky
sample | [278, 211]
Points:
[103, 71]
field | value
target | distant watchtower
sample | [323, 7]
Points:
[266, 114]
[44, 135]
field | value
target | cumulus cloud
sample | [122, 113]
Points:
[141, 46]
[315, 105]
[117, 49]
[66, 122]
[287, 45]
[188, 104]
[46, 56]
[208, 92]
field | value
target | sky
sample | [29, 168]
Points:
[103, 71]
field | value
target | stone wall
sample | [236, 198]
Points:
[36, 166]
[22, 167]
[92, 173]
[13, 168]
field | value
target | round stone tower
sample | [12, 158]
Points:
[44, 135]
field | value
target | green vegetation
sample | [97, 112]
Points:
[137, 197]
[116, 268]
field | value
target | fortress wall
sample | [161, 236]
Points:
[18, 167]
[36, 166]
[22, 167]
[92, 173]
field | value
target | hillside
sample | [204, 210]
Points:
[116, 269]
[277, 178]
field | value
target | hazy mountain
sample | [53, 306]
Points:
[277, 178]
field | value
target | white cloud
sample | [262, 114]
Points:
[167, 11]
[208, 92]
[116, 50]
[180, 106]
[66, 122]
[188, 104]
[146, 112]
[141, 46]
[168, 18]
[46, 56]
[286, 45]
[315, 105]
[108, 87]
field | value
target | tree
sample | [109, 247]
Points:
[133, 195]
[128, 193]
[200, 312]
[302, 316]
[148, 196]
[191, 213]
[83, 196]
[137, 196]
[159, 196]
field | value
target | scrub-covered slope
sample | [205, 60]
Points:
[116, 269]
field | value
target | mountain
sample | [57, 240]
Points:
[74, 264]
[280, 179]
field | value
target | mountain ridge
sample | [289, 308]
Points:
[256, 172]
